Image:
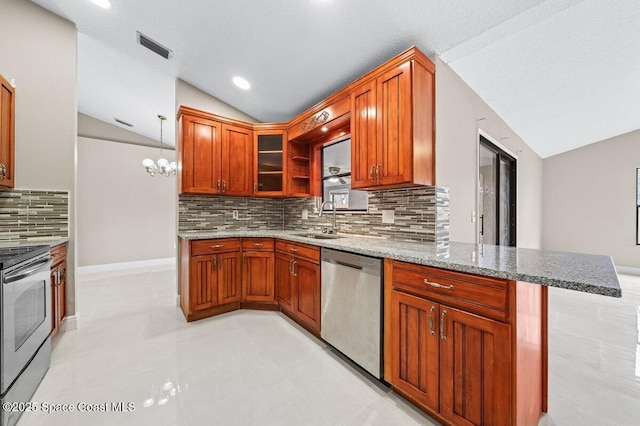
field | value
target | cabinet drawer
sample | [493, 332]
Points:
[201, 247]
[481, 295]
[58, 253]
[299, 250]
[257, 244]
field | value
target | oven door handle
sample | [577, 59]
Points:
[38, 267]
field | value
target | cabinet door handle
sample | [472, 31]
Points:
[244, 256]
[224, 186]
[257, 244]
[433, 332]
[378, 173]
[219, 187]
[220, 262]
[371, 173]
[290, 266]
[442, 335]
[3, 171]
[293, 268]
[293, 250]
[436, 285]
[215, 263]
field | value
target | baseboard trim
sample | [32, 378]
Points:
[70, 323]
[108, 267]
[627, 270]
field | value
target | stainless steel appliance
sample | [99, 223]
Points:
[25, 305]
[352, 307]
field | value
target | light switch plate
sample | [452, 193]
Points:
[235, 214]
[388, 216]
[305, 214]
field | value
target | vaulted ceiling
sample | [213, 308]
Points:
[561, 73]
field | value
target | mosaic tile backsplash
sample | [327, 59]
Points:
[421, 214]
[207, 213]
[29, 215]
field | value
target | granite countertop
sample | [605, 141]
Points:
[575, 271]
[42, 241]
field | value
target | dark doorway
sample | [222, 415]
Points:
[497, 197]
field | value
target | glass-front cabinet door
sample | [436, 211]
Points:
[270, 155]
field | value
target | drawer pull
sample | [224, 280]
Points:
[217, 246]
[257, 244]
[293, 250]
[433, 332]
[436, 285]
[442, 335]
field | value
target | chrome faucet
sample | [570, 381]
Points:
[334, 229]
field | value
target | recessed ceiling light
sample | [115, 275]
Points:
[324, 128]
[105, 4]
[241, 83]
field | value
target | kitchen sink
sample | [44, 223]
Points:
[318, 236]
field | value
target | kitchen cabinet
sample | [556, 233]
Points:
[392, 125]
[210, 276]
[270, 160]
[215, 157]
[7, 133]
[58, 287]
[298, 282]
[462, 347]
[237, 160]
[283, 282]
[258, 274]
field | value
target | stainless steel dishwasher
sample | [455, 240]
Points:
[352, 307]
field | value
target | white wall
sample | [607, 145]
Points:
[193, 97]
[38, 50]
[124, 214]
[589, 199]
[90, 127]
[458, 109]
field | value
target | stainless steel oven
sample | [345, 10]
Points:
[25, 304]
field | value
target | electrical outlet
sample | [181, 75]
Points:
[388, 216]
[305, 214]
[235, 214]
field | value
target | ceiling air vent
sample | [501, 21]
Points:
[123, 122]
[154, 46]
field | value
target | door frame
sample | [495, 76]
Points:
[494, 141]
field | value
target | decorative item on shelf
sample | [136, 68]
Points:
[164, 166]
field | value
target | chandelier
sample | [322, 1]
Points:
[163, 167]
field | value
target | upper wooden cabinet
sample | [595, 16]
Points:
[389, 113]
[237, 160]
[392, 132]
[215, 155]
[270, 142]
[7, 133]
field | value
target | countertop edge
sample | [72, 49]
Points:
[424, 259]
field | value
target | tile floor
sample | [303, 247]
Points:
[259, 368]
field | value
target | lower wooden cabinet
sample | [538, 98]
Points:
[228, 279]
[475, 367]
[306, 276]
[210, 276]
[283, 281]
[458, 365]
[298, 282]
[58, 287]
[258, 275]
[414, 348]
